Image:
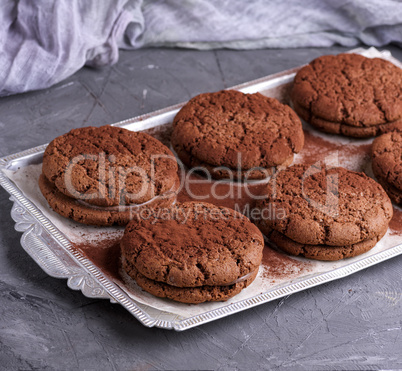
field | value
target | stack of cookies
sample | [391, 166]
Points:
[324, 213]
[349, 94]
[105, 175]
[386, 153]
[192, 253]
[231, 135]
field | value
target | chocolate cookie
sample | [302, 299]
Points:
[236, 135]
[189, 295]
[348, 91]
[98, 215]
[386, 153]
[109, 166]
[222, 172]
[103, 176]
[321, 252]
[394, 193]
[193, 245]
[343, 129]
[315, 205]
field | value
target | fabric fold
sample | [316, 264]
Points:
[45, 41]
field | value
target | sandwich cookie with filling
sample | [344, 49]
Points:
[236, 136]
[192, 252]
[105, 175]
[324, 213]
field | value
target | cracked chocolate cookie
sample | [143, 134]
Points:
[314, 205]
[189, 295]
[192, 245]
[102, 175]
[346, 130]
[386, 154]
[235, 136]
[98, 215]
[321, 252]
[349, 94]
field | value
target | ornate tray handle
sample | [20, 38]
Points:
[33, 241]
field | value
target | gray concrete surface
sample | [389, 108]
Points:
[350, 324]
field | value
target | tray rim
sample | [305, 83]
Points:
[83, 275]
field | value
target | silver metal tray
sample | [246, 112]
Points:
[55, 254]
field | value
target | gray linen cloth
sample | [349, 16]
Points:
[44, 41]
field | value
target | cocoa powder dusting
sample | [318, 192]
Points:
[281, 92]
[395, 224]
[315, 148]
[104, 252]
[355, 157]
[277, 265]
[353, 150]
[162, 133]
[220, 193]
